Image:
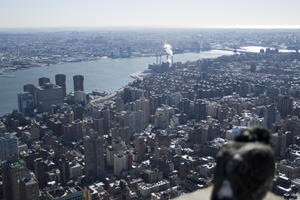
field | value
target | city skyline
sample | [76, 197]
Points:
[166, 14]
[137, 99]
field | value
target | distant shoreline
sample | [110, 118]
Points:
[245, 49]
[9, 70]
[141, 28]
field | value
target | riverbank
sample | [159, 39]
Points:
[7, 70]
[105, 75]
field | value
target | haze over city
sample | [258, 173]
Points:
[154, 13]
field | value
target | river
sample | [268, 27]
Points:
[108, 74]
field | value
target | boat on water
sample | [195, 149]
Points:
[99, 93]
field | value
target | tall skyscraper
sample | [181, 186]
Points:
[8, 146]
[26, 103]
[78, 82]
[94, 158]
[47, 95]
[60, 80]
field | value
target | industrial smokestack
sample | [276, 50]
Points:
[160, 59]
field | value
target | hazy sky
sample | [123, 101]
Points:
[159, 13]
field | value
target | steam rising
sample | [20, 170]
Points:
[168, 49]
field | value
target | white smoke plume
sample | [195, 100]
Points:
[168, 49]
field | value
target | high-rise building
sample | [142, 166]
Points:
[8, 146]
[184, 106]
[119, 103]
[67, 132]
[144, 105]
[60, 80]
[200, 110]
[29, 189]
[94, 158]
[98, 125]
[78, 82]
[270, 116]
[68, 116]
[31, 89]
[26, 103]
[63, 166]
[106, 120]
[48, 95]
[140, 146]
[162, 117]
[77, 130]
[72, 131]
[285, 105]
[12, 173]
[81, 97]
[279, 143]
[40, 170]
[43, 81]
[120, 163]
[139, 121]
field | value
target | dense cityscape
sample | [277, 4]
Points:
[157, 137]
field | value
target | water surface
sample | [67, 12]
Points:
[108, 75]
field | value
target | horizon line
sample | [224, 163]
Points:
[258, 27]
